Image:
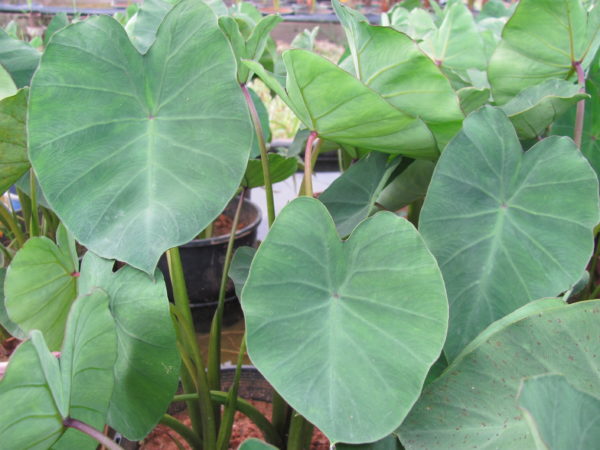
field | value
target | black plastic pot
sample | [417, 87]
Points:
[203, 261]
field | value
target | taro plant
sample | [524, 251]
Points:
[452, 328]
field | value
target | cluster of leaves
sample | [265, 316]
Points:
[455, 334]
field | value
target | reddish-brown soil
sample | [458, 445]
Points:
[7, 347]
[162, 438]
[222, 225]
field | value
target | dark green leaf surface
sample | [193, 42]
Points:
[351, 197]
[18, 58]
[390, 442]
[474, 403]
[137, 154]
[345, 331]
[40, 288]
[542, 40]
[13, 139]
[499, 221]
[280, 168]
[407, 187]
[561, 417]
[255, 444]
[147, 366]
[534, 108]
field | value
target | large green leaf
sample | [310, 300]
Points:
[474, 403]
[345, 331]
[542, 40]
[147, 366]
[42, 391]
[391, 63]
[137, 154]
[352, 113]
[565, 125]
[561, 417]
[534, 108]
[456, 44]
[499, 221]
[18, 58]
[13, 139]
[40, 286]
[351, 197]
[142, 26]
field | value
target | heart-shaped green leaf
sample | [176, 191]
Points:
[345, 331]
[13, 139]
[474, 403]
[542, 40]
[560, 416]
[280, 168]
[392, 64]
[147, 367]
[137, 154]
[18, 58]
[536, 107]
[42, 390]
[351, 197]
[40, 286]
[457, 43]
[498, 221]
[352, 113]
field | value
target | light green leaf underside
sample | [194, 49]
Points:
[40, 288]
[137, 154]
[499, 221]
[536, 107]
[474, 403]
[18, 58]
[7, 85]
[541, 40]
[320, 327]
[13, 139]
[350, 198]
[43, 391]
[142, 27]
[560, 416]
[147, 366]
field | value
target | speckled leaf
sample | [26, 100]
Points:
[534, 108]
[13, 139]
[18, 58]
[560, 416]
[40, 287]
[346, 353]
[474, 403]
[43, 390]
[542, 40]
[147, 366]
[138, 153]
[351, 197]
[498, 221]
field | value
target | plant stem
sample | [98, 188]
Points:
[579, 118]
[214, 346]
[245, 408]
[92, 432]
[231, 404]
[299, 428]
[7, 219]
[25, 208]
[182, 430]
[264, 158]
[35, 220]
[308, 188]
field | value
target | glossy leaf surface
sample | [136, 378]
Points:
[18, 58]
[129, 159]
[348, 355]
[13, 139]
[40, 287]
[474, 402]
[43, 390]
[147, 367]
[499, 220]
[542, 40]
[351, 197]
[534, 108]
[561, 417]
